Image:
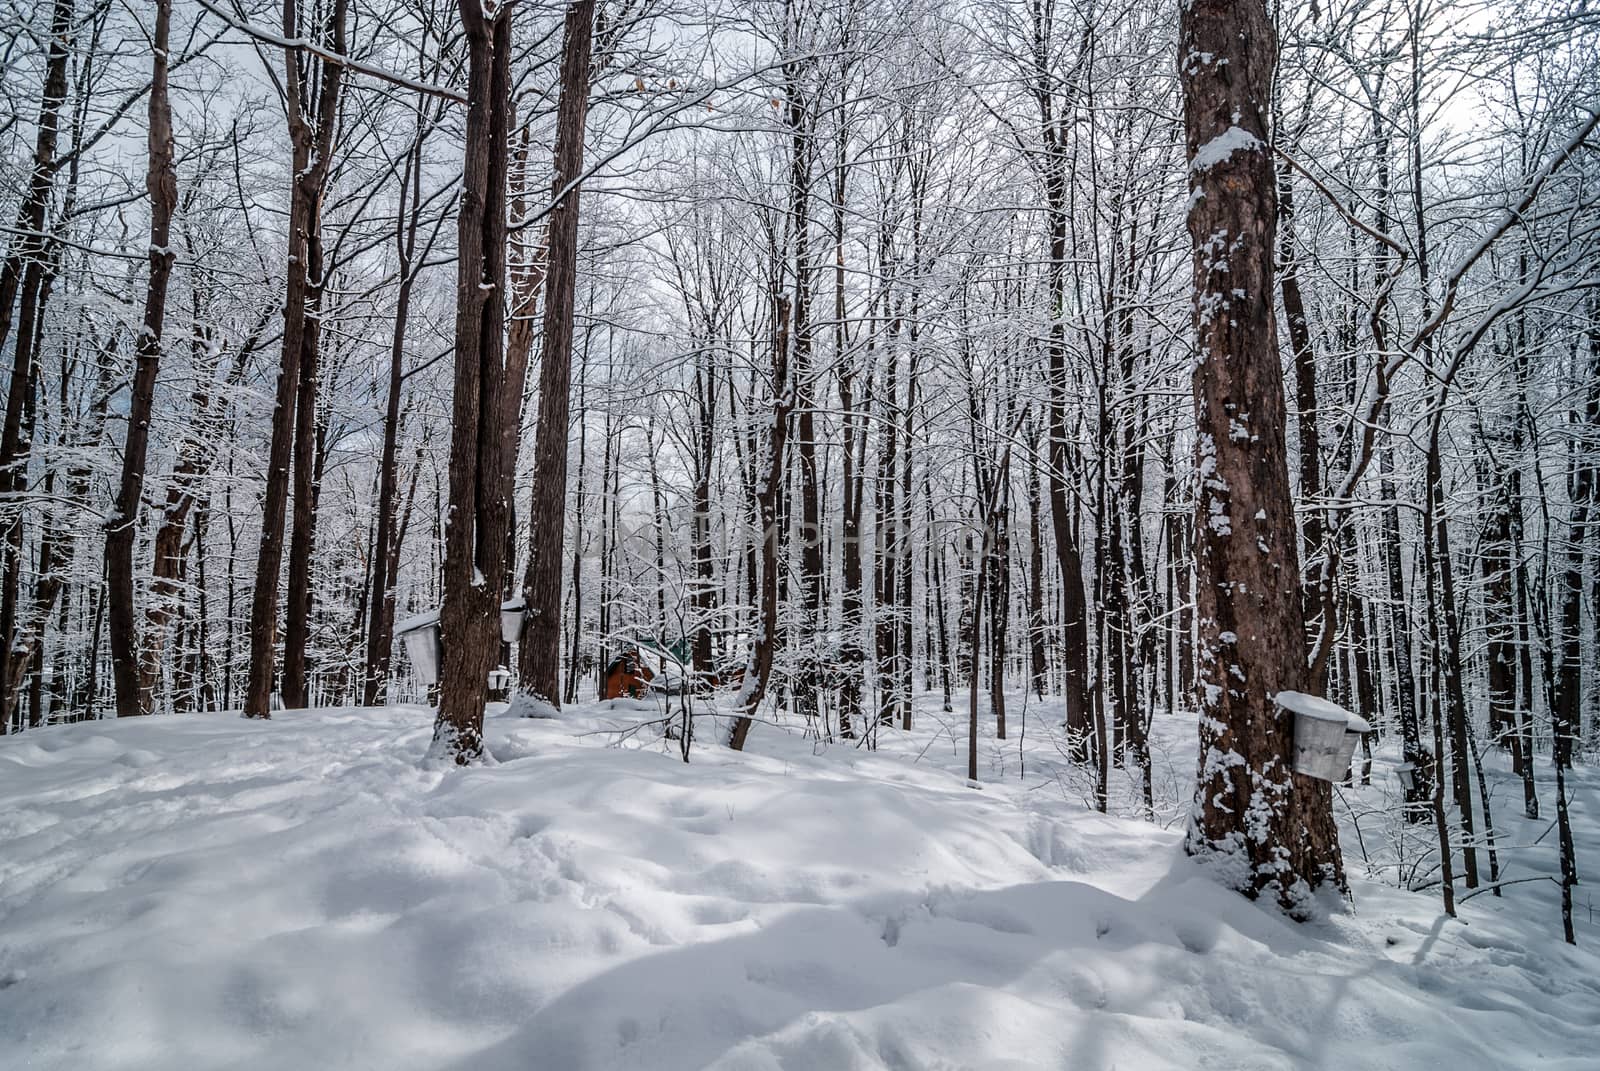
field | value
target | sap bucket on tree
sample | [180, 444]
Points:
[511, 615]
[1325, 735]
[421, 637]
[423, 644]
[1408, 775]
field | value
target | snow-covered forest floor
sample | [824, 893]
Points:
[210, 892]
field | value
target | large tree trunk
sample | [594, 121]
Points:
[1499, 622]
[1037, 665]
[812, 600]
[703, 600]
[482, 448]
[903, 650]
[579, 552]
[999, 580]
[1444, 640]
[852, 654]
[1054, 119]
[1267, 829]
[1060, 470]
[303, 527]
[886, 528]
[312, 141]
[161, 182]
[540, 654]
[380, 599]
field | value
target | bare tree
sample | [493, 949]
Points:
[540, 653]
[1272, 828]
[484, 403]
[311, 88]
[161, 182]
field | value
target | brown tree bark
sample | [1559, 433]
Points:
[798, 119]
[303, 520]
[1062, 461]
[540, 654]
[1037, 665]
[579, 552]
[903, 650]
[936, 574]
[311, 138]
[1267, 829]
[1444, 640]
[161, 182]
[1181, 534]
[704, 595]
[769, 503]
[852, 653]
[380, 603]
[999, 580]
[887, 534]
[1499, 620]
[482, 449]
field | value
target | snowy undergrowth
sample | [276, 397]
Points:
[206, 892]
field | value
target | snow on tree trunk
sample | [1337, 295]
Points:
[1265, 829]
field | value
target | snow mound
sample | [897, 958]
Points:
[210, 892]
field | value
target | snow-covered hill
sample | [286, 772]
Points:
[206, 892]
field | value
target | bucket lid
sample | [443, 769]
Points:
[1311, 706]
[421, 621]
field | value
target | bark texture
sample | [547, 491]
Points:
[161, 182]
[311, 134]
[769, 504]
[1267, 829]
[482, 454]
[540, 656]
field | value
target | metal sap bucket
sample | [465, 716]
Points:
[511, 620]
[1325, 735]
[425, 650]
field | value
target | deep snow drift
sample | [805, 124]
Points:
[206, 892]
